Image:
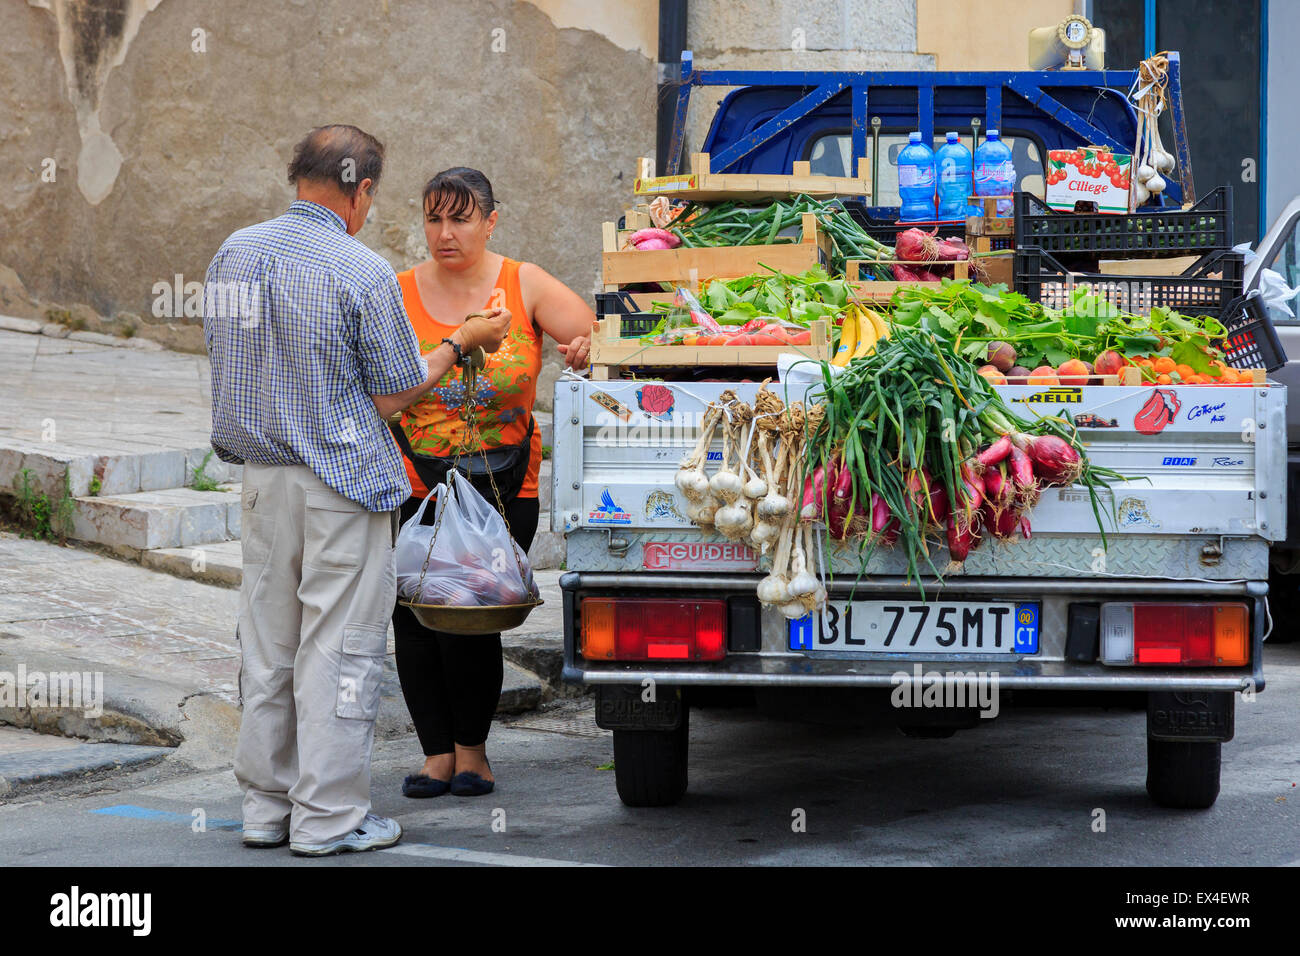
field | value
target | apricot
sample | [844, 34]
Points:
[1073, 372]
[1044, 375]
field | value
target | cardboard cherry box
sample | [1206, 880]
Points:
[1091, 174]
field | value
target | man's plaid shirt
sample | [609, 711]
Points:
[303, 323]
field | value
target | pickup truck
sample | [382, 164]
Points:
[661, 616]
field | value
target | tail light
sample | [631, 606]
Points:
[653, 629]
[1175, 635]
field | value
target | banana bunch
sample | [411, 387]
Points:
[862, 329]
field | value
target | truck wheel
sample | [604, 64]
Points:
[650, 765]
[1183, 775]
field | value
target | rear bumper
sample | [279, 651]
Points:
[775, 666]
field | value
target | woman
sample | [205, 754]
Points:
[451, 683]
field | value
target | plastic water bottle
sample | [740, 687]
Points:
[953, 164]
[995, 173]
[916, 180]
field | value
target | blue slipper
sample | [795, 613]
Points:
[468, 784]
[418, 785]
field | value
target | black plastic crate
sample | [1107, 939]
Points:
[1204, 288]
[634, 322]
[1158, 233]
[883, 230]
[1252, 341]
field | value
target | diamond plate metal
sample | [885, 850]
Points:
[1045, 556]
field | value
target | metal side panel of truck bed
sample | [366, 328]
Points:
[1207, 495]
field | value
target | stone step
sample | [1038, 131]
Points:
[178, 518]
[123, 466]
[219, 563]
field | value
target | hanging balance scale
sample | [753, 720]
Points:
[478, 619]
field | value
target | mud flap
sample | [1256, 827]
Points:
[1190, 716]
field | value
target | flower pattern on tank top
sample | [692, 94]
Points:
[496, 388]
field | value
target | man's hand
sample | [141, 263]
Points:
[486, 330]
[576, 352]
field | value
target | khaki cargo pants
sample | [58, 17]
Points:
[318, 591]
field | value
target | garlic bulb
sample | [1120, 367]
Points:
[755, 488]
[1164, 161]
[763, 534]
[1145, 172]
[692, 482]
[734, 520]
[773, 589]
[794, 610]
[1156, 184]
[801, 581]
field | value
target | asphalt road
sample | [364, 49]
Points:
[1023, 789]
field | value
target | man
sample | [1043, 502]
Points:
[311, 352]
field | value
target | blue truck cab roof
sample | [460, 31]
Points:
[829, 119]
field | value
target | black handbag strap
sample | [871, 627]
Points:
[423, 463]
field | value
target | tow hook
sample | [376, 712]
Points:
[1212, 553]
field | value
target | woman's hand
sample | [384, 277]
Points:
[576, 352]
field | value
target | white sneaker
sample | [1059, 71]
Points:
[266, 834]
[375, 833]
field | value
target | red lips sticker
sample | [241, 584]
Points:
[1160, 409]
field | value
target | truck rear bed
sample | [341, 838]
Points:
[1208, 495]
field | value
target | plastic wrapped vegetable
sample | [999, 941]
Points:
[473, 562]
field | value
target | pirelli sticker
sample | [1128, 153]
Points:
[1057, 395]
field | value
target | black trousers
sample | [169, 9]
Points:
[452, 682]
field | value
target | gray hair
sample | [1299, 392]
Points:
[338, 154]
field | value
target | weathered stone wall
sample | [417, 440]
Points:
[203, 103]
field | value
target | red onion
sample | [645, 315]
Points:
[963, 537]
[940, 507]
[995, 452]
[904, 274]
[812, 494]
[883, 522]
[1055, 461]
[914, 245]
[950, 250]
[1001, 522]
[1022, 469]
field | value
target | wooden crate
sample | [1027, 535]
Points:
[610, 351]
[989, 224]
[690, 267]
[1131, 376]
[882, 289]
[701, 185]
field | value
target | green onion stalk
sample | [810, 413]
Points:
[915, 445]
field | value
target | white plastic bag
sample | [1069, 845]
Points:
[1272, 286]
[473, 562]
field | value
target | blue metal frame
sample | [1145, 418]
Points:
[1261, 166]
[822, 85]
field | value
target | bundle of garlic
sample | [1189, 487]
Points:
[735, 517]
[691, 479]
[1151, 162]
[772, 506]
[791, 584]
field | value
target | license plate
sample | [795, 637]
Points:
[898, 627]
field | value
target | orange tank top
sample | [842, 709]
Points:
[504, 390]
